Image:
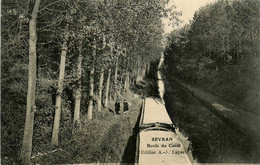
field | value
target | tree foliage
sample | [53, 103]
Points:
[221, 33]
[220, 48]
[128, 30]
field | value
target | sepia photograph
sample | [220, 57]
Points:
[149, 82]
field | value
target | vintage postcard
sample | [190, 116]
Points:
[144, 82]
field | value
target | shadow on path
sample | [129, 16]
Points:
[130, 150]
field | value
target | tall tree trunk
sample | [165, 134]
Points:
[110, 98]
[223, 50]
[126, 83]
[138, 77]
[91, 83]
[241, 49]
[143, 71]
[30, 108]
[127, 79]
[91, 93]
[148, 68]
[76, 120]
[56, 125]
[101, 80]
[115, 80]
[238, 52]
[107, 87]
[107, 96]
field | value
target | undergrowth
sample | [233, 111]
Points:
[238, 83]
[101, 140]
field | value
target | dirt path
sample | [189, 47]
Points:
[215, 130]
[243, 120]
[104, 139]
[113, 138]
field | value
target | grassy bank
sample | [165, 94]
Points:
[238, 83]
[212, 140]
[103, 139]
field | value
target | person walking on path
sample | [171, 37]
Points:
[125, 103]
[117, 106]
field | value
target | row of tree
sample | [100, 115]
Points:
[81, 53]
[221, 33]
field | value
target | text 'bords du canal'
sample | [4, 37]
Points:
[163, 145]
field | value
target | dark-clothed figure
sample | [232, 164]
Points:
[117, 107]
[125, 103]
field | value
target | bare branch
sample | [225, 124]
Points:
[49, 5]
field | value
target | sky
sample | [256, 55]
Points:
[188, 8]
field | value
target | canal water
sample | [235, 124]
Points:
[160, 78]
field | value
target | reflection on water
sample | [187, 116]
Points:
[160, 76]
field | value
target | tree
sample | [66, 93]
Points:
[31, 108]
[219, 35]
[70, 65]
[76, 120]
[56, 124]
[91, 85]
